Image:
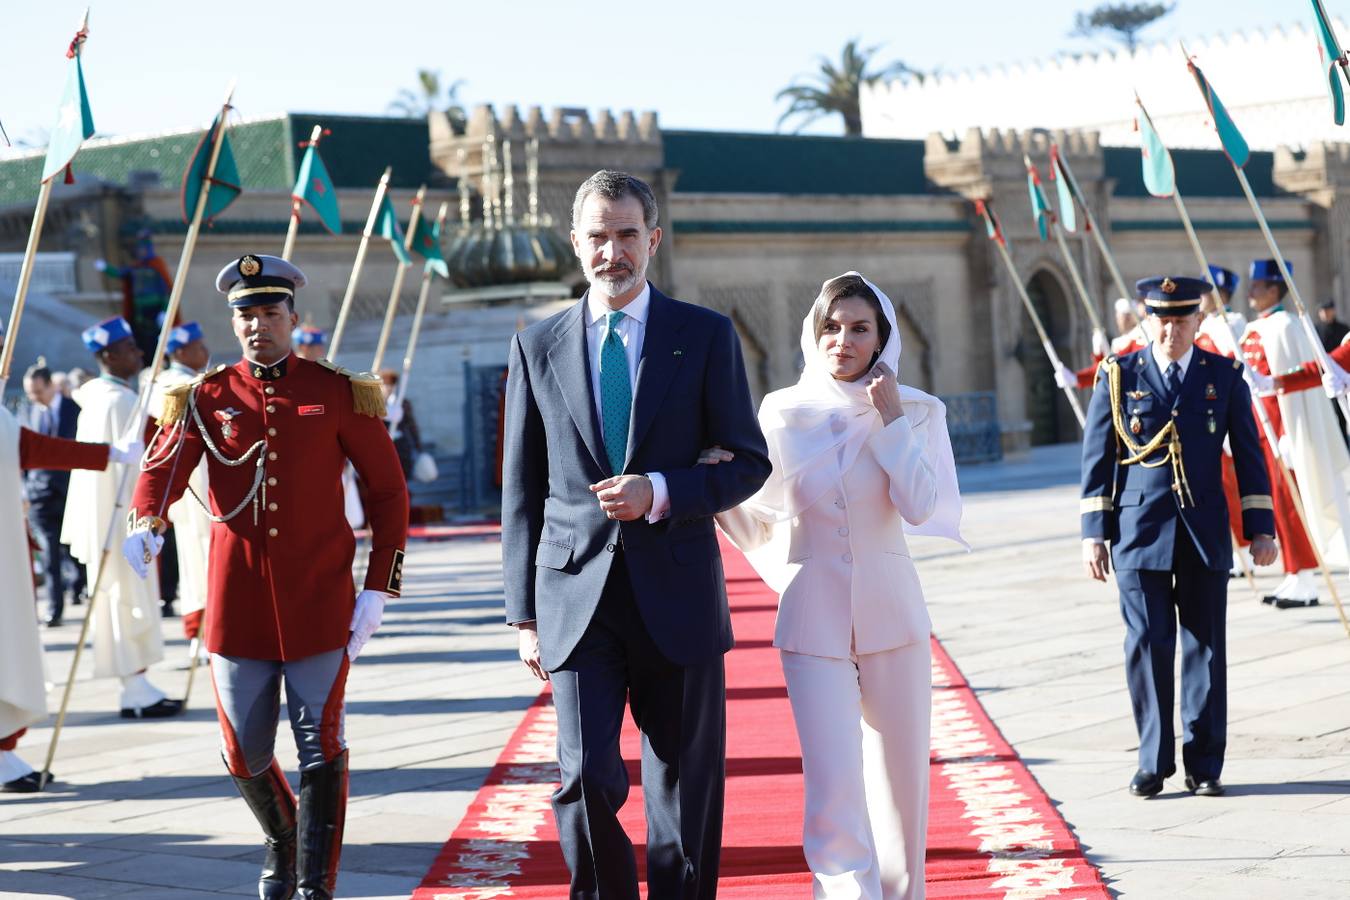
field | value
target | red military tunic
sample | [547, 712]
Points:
[38, 451]
[1310, 376]
[1296, 549]
[1125, 343]
[280, 582]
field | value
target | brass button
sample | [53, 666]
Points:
[271, 532]
[843, 532]
[269, 390]
[272, 455]
[848, 557]
[271, 408]
[272, 481]
[272, 432]
[271, 507]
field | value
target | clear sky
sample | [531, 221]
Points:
[156, 65]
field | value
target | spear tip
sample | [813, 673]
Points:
[315, 133]
[229, 90]
[84, 20]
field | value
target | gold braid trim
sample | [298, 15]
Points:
[1139, 453]
[367, 398]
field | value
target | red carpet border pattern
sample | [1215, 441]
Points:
[992, 831]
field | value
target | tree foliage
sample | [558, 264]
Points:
[834, 89]
[419, 103]
[1120, 21]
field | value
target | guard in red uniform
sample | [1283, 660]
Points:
[276, 431]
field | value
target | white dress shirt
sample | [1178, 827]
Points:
[632, 330]
[1160, 357]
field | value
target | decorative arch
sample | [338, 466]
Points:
[1052, 419]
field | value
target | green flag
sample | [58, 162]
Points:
[1333, 61]
[1040, 207]
[1068, 211]
[225, 185]
[1233, 143]
[74, 121]
[313, 186]
[1160, 177]
[991, 226]
[426, 243]
[386, 226]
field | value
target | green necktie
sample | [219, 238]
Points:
[616, 393]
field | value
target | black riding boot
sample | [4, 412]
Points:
[323, 809]
[273, 804]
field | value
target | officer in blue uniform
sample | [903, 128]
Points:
[1152, 490]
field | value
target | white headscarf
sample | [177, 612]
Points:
[816, 428]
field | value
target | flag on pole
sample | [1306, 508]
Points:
[1068, 212]
[991, 226]
[74, 121]
[1040, 207]
[1233, 142]
[225, 184]
[315, 187]
[386, 226]
[1333, 59]
[426, 243]
[1160, 177]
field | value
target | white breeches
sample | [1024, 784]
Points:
[863, 725]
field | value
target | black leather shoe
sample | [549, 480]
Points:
[1269, 599]
[53, 622]
[1146, 783]
[164, 709]
[1204, 787]
[1291, 603]
[25, 784]
[269, 797]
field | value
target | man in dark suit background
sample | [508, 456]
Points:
[54, 415]
[612, 570]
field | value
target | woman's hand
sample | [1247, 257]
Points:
[714, 455]
[884, 392]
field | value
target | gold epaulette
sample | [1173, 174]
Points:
[367, 398]
[176, 398]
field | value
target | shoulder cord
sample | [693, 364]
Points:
[178, 433]
[1140, 453]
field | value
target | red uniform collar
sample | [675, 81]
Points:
[266, 373]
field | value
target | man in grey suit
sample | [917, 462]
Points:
[612, 571]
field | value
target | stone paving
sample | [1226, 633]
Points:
[144, 810]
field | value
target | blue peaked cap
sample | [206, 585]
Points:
[1225, 279]
[183, 335]
[105, 333]
[1269, 270]
[1167, 296]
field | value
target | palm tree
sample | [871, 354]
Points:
[420, 103]
[836, 89]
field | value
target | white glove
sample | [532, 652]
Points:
[100, 265]
[1264, 385]
[366, 619]
[127, 451]
[140, 548]
[1065, 377]
[1287, 450]
[1336, 381]
[1100, 345]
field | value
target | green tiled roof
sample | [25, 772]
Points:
[720, 162]
[1200, 173]
[267, 152]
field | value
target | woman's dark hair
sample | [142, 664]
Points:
[837, 289]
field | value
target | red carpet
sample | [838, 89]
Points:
[992, 831]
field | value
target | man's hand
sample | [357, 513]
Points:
[1100, 344]
[140, 549]
[1263, 385]
[1263, 550]
[366, 618]
[529, 649]
[1336, 381]
[624, 497]
[1065, 377]
[1098, 559]
[714, 455]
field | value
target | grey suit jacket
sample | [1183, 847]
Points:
[557, 544]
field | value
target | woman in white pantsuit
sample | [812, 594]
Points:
[858, 460]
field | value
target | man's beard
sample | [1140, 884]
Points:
[617, 283]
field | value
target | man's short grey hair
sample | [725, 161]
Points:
[615, 186]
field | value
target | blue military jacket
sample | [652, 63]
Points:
[1138, 507]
